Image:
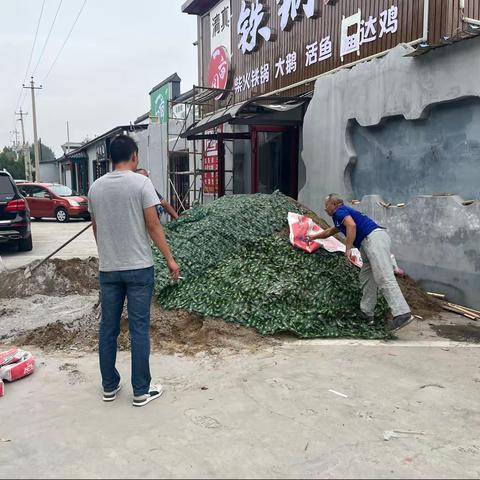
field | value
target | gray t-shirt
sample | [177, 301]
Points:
[117, 201]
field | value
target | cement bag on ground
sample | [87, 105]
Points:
[301, 226]
[10, 356]
[23, 366]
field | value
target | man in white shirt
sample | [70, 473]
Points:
[124, 216]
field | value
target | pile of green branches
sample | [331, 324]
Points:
[238, 264]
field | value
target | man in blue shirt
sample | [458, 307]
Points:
[377, 272]
[163, 206]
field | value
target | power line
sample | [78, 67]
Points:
[65, 42]
[31, 53]
[48, 37]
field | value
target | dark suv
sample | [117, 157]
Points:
[14, 215]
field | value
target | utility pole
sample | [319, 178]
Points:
[68, 137]
[15, 141]
[32, 87]
[26, 149]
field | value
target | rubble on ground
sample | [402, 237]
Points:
[55, 277]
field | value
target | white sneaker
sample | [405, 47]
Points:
[156, 391]
[111, 396]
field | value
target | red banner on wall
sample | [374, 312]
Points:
[210, 162]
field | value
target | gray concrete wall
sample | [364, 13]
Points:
[400, 158]
[370, 92]
[436, 240]
[153, 154]
[49, 172]
[92, 156]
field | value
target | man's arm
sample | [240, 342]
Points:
[94, 226]
[325, 234]
[170, 210]
[157, 234]
[351, 227]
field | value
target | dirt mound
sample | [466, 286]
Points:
[57, 308]
[172, 332]
[47, 297]
[420, 302]
[19, 316]
[54, 278]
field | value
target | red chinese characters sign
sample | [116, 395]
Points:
[210, 162]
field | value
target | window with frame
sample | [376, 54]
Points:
[38, 192]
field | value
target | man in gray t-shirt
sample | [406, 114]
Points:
[124, 216]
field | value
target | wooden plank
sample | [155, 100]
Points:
[436, 295]
[469, 310]
[456, 310]
[456, 20]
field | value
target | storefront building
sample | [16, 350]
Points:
[378, 101]
[265, 57]
[161, 149]
[80, 167]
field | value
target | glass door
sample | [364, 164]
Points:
[275, 152]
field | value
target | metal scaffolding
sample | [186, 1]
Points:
[186, 185]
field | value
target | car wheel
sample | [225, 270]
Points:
[62, 215]
[25, 244]
[37, 218]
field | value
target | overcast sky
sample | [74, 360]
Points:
[117, 52]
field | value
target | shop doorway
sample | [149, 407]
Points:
[179, 181]
[275, 160]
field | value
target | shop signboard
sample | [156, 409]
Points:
[210, 162]
[221, 26]
[159, 104]
[277, 44]
[219, 75]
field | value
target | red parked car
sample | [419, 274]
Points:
[53, 200]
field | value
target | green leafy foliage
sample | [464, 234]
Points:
[239, 265]
[46, 153]
[9, 162]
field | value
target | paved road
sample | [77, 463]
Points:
[47, 236]
[399, 412]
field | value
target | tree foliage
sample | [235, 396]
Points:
[9, 162]
[46, 153]
[14, 163]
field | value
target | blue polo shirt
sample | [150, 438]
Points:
[159, 207]
[365, 225]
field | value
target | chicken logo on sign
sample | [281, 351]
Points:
[160, 107]
[218, 70]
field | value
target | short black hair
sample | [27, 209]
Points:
[122, 148]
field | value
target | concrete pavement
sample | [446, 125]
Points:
[48, 235]
[295, 411]
[306, 409]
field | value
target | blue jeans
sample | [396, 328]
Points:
[137, 287]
